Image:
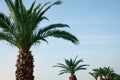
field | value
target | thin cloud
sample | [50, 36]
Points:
[99, 40]
[99, 37]
[92, 20]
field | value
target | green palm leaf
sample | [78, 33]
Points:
[5, 22]
[61, 34]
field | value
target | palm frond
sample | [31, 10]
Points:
[22, 8]
[53, 26]
[8, 38]
[38, 13]
[65, 68]
[62, 34]
[55, 3]
[67, 62]
[81, 67]
[77, 62]
[94, 74]
[63, 71]
[41, 12]
[75, 59]
[50, 27]
[71, 62]
[10, 5]
[91, 73]
[31, 8]
[17, 4]
[6, 24]
[61, 65]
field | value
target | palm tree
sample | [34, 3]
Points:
[105, 73]
[21, 29]
[71, 66]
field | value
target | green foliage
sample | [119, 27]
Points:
[71, 66]
[106, 73]
[21, 28]
[95, 74]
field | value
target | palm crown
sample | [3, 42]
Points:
[71, 66]
[21, 27]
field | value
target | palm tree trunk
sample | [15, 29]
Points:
[24, 66]
[72, 77]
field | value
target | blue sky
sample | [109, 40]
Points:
[96, 23]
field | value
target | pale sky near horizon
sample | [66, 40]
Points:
[96, 23]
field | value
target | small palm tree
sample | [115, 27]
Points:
[71, 66]
[105, 73]
[21, 29]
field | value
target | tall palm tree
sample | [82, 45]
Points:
[71, 66]
[21, 29]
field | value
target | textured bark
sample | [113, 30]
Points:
[72, 77]
[24, 66]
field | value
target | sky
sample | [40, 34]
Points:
[96, 23]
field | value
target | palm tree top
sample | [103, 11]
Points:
[71, 66]
[21, 28]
